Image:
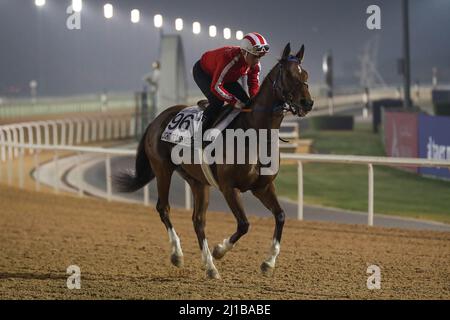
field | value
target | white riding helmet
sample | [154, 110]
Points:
[255, 44]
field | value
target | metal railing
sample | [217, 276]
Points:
[300, 158]
[65, 132]
[362, 160]
[84, 130]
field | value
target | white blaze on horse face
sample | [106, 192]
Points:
[175, 242]
[273, 254]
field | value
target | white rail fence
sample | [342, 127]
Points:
[64, 132]
[300, 158]
[84, 130]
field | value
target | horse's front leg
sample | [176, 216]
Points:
[268, 197]
[233, 198]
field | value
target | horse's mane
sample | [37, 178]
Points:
[266, 78]
[264, 83]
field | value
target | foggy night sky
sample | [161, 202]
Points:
[115, 54]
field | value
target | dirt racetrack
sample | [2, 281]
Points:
[123, 253]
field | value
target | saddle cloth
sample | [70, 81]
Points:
[186, 124]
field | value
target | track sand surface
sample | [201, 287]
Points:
[123, 252]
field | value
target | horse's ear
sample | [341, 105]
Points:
[286, 51]
[301, 53]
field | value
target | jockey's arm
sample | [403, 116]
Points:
[218, 81]
[253, 80]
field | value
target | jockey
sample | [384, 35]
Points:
[218, 71]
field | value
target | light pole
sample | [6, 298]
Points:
[33, 91]
[40, 4]
[406, 56]
[434, 79]
[327, 67]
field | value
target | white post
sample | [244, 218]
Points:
[1, 162]
[123, 128]
[47, 132]
[10, 170]
[101, 135]
[56, 166]
[55, 132]
[370, 217]
[108, 177]
[1, 170]
[15, 141]
[80, 178]
[109, 125]
[21, 168]
[2, 147]
[132, 127]
[21, 134]
[71, 132]
[146, 195]
[300, 191]
[37, 183]
[187, 196]
[19, 137]
[79, 128]
[30, 137]
[94, 129]
[9, 139]
[116, 132]
[86, 130]
[63, 132]
[37, 127]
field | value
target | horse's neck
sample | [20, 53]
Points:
[261, 116]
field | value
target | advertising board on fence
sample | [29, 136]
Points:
[400, 134]
[434, 143]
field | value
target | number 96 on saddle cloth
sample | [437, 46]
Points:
[187, 123]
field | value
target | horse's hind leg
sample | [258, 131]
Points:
[269, 199]
[163, 178]
[201, 200]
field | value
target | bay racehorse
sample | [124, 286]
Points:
[283, 90]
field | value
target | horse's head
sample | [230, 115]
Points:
[290, 83]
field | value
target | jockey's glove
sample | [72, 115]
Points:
[239, 105]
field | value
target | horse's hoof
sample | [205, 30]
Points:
[212, 274]
[218, 252]
[177, 261]
[266, 269]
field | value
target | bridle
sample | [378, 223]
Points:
[285, 97]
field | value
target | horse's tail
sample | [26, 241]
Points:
[130, 181]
